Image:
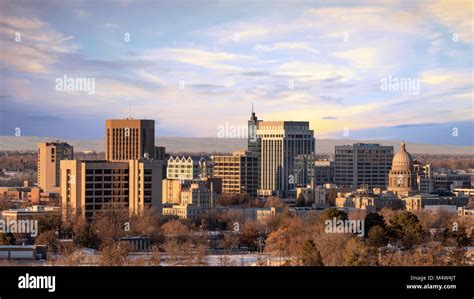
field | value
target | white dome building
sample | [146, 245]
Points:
[402, 177]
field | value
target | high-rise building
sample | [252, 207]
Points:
[87, 187]
[323, 172]
[129, 139]
[239, 172]
[49, 156]
[281, 143]
[362, 165]
[253, 144]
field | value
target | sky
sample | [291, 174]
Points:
[195, 66]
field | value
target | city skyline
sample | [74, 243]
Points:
[294, 61]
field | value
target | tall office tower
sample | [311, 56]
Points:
[304, 169]
[253, 143]
[362, 164]
[323, 172]
[89, 186]
[239, 172]
[281, 143]
[129, 139]
[49, 156]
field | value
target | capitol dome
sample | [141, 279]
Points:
[401, 178]
[402, 159]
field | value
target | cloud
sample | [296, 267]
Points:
[218, 60]
[303, 46]
[364, 58]
[455, 15]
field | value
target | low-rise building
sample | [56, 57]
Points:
[418, 202]
[365, 199]
[30, 213]
[465, 213]
[195, 200]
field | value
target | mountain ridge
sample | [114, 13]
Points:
[223, 145]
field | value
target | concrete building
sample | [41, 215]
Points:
[465, 213]
[160, 153]
[280, 143]
[323, 172]
[195, 200]
[30, 213]
[365, 199]
[450, 180]
[362, 165]
[171, 190]
[449, 209]
[420, 201]
[424, 180]
[49, 156]
[321, 196]
[89, 186]
[239, 172]
[253, 142]
[129, 139]
[464, 191]
[188, 168]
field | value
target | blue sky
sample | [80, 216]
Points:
[196, 65]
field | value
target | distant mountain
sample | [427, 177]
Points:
[210, 145]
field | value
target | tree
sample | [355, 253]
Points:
[300, 201]
[355, 254]
[274, 201]
[406, 228]
[146, 223]
[87, 237]
[249, 234]
[47, 223]
[458, 238]
[230, 241]
[155, 258]
[48, 238]
[7, 239]
[330, 213]
[115, 254]
[278, 242]
[175, 228]
[310, 254]
[377, 237]
[109, 224]
[371, 220]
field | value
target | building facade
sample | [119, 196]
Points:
[87, 187]
[323, 172]
[280, 143]
[129, 139]
[402, 176]
[49, 156]
[362, 165]
[188, 168]
[239, 172]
